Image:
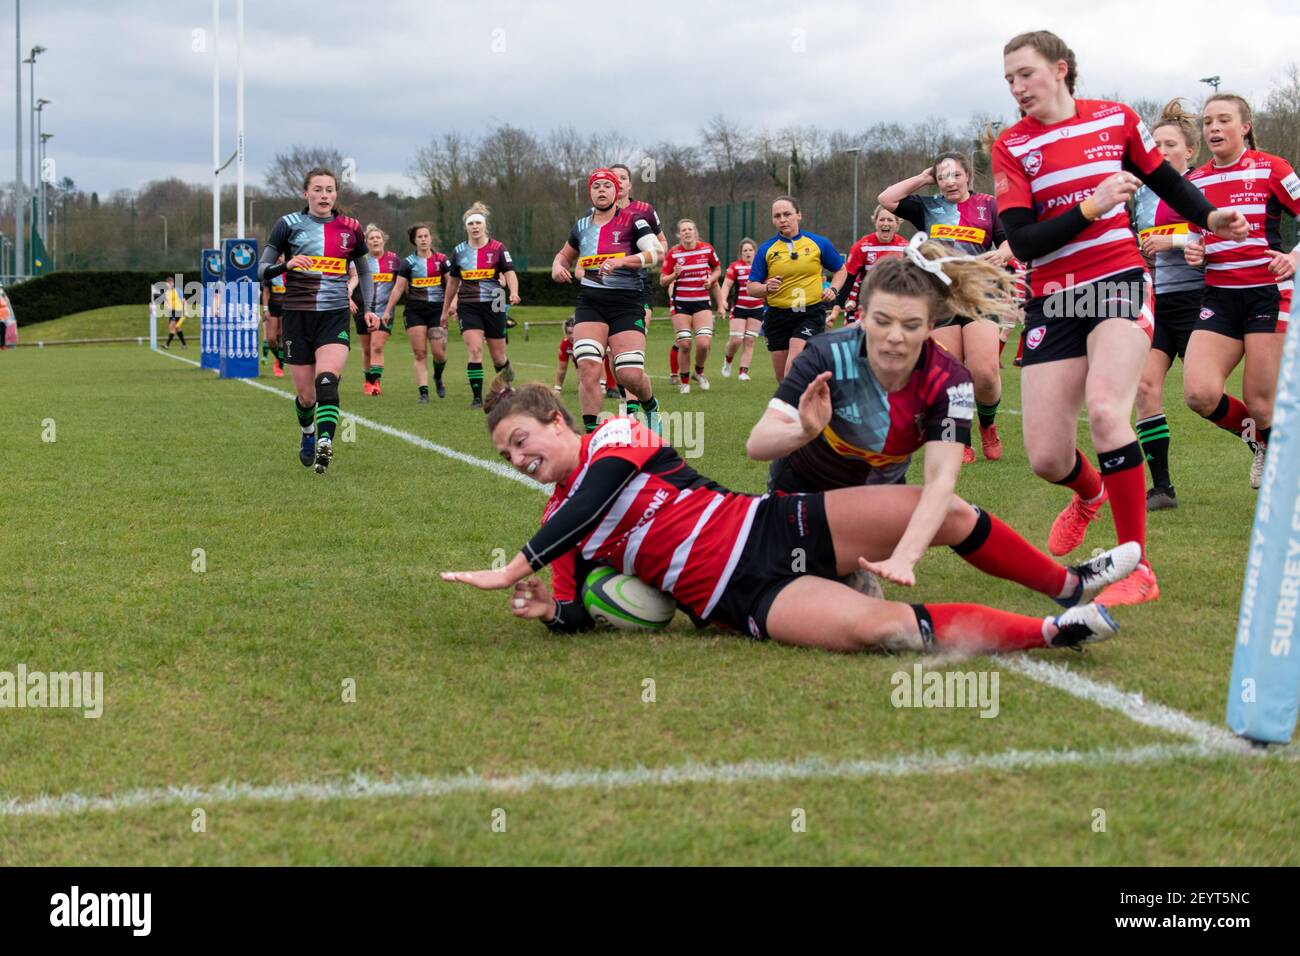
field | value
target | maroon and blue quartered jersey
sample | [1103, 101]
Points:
[424, 277]
[872, 430]
[331, 244]
[972, 226]
[618, 237]
[383, 272]
[480, 271]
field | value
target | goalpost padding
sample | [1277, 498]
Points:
[1264, 692]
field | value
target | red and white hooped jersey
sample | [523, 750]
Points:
[1259, 186]
[697, 265]
[1052, 169]
[670, 526]
[864, 255]
[738, 276]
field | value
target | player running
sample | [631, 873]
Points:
[787, 273]
[857, 403]
[624, 499]
[1179, 289]
[611, 246]
[1063, 174]
[272, 313]
[968, 221]
[383, 269]
[746, 316]
[479, 267]
[420, 279]
[317, 245]
[1248, 283]
[692, 268]
[867, 252]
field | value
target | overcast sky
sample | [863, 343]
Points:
[132, 99]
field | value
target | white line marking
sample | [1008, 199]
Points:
[361, 787]
[1131, 705]
[496, 467]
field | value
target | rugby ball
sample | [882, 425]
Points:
[622, 601]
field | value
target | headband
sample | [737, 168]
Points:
[475, 217]
[605, 174]
[932, 266]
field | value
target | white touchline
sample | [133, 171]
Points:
[496, 467]
[1131, 705]
[362, 787]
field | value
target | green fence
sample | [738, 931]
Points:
[728, 224]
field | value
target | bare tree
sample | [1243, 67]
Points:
[726, 144]
[284, 175]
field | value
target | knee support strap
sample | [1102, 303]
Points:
[588, 350]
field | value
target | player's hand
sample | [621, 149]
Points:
[1283, 265]
[1229, 224]
[995, 256]
[1115, 190]
[772, 284]
[514, 298]
[352, 308]
[1153, 244]
[372, 321]
[299, 262]
[532, 599]
[895, 569]
[815, 406]
[928, 175]
[560, 274]
[1194, 252]
[493, 580]
[829, 294]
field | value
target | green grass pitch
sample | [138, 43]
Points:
[237, 675]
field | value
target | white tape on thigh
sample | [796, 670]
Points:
[588, 350]
[631, 359]
[684, 334]
[707, 330]
[750, 335]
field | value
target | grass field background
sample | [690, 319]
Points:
[235, 675]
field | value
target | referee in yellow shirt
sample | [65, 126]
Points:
[787, 270]
[174, 306]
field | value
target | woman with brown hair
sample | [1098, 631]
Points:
[1248, 283]
[317, 245]
[1063, 174]
[624, 499]
[420, 279]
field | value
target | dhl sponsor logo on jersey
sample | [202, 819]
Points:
[277, 289]
[957, 233]
[477, 275]
[592, 262]
[1173, 229]
[424, 282]
[329, 265]
[382, 276]
[844, 449]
